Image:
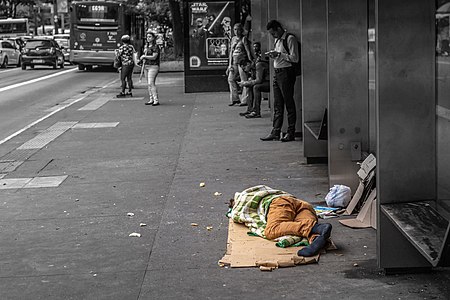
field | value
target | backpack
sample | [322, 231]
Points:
[297, 66]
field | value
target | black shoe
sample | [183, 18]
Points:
[271, 137]
[243, 104]
[121, 95]
[252, 116]
[288, 137]
[129, 94]
[155, 103]
[245, 113]
[233, 103]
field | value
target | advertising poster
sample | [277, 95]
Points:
[210, 31]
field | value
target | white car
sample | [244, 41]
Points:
[9, 54]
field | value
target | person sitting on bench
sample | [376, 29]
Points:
[271, 213]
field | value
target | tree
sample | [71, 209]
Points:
[178, 37]
[9, 7]
[165, 13]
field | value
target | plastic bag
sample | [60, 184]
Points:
[338, 196]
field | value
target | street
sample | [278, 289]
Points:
[26, 96]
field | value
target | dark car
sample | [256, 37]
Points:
[42, 52]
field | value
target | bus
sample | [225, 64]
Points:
[14, 27]
[95, 31]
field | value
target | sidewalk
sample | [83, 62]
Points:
[71, 240]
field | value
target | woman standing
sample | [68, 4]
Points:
[125, 54]
[239, 51]
[151, 60]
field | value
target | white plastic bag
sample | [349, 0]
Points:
[338, 196]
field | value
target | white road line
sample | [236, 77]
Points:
[50, 114]
[35, 80]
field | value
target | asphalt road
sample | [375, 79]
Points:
[28, 95]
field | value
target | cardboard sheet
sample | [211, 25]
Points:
[250, 251]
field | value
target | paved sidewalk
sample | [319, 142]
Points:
[88, 176]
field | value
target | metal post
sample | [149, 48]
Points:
[55, 15]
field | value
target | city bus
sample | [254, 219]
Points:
[95, 31]
[14, 27]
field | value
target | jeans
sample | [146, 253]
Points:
[283, 92]
[255, 103]
[152, 73]
[232, 83]
[125, 75]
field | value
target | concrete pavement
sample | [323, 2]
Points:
[104, 166]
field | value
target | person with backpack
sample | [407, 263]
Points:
[285, 56]
[125, 54]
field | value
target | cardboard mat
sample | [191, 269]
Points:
[251, 251]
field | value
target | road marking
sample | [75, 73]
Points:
[95, 125]
[47, 136]
[52, 113]
[32, 182]
[35, 80]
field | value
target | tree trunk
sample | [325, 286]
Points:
[178, 39]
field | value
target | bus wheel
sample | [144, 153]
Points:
[81, 67]
[89, 68]
[32, 66]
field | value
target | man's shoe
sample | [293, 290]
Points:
[253, 115]
[233, 103]
[121, 95]
[243, 104]
[246, 113]
[271, 137]
[129, 94]
[155, 103]
[288, 137]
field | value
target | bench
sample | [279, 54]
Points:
[318, 128]
[424, 227]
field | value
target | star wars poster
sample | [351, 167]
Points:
[210, 31]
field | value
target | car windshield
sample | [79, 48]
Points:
[37, 44]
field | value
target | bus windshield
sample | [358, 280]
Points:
[96, 13]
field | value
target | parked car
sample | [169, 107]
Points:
[64, 44]
[9, 54]
[40, 51]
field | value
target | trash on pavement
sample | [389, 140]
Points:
[135, 234]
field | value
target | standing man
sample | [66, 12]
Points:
[283, 81]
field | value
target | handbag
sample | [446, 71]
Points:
[117, 62]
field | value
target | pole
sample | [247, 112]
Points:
[55, 15]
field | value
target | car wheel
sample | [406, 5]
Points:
[81, 67]
[24, 67]
[89, 68]
[55, 64]
[5, 62]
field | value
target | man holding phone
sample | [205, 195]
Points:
[283, 81]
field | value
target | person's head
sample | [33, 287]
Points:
[125, 39]
[150, 37]
[238, 29]
[245, 64]
[275, 29]
[226, 21]
[211, 18]
[199, 22]
[257, 47]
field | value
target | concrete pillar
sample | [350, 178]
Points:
[348, 89]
